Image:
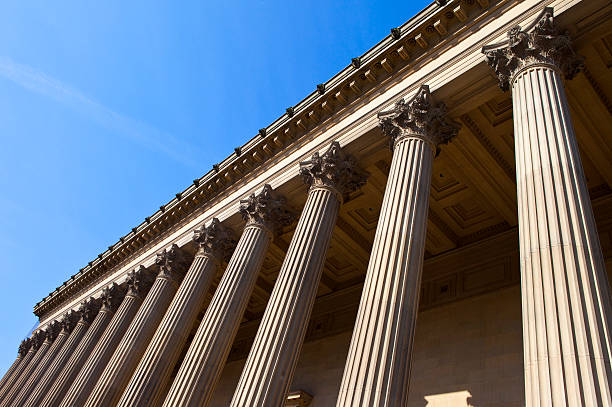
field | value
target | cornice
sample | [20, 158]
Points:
[418, 37]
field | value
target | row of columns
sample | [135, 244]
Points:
[566, 301]
[135, 369]
[122, 349]
[30, 347]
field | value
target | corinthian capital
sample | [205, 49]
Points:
[334, 169]
[267, 209]
[419, 117]
[215, 240]
[38, 338]
[539, 43]
[139, 281]
[52, 330]
[88, 309]
[71, 318]
[172, 263]
[112, 296]
[24, 347]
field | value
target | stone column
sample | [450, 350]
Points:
[196, 379]
[270, 365]
[17, 365]
[565, 293]
[53, 389]
[377, 371]
[72, 331]
[139, 283]
[11, 369]
[121, 365]
[87, 312]
[56, 335]
[152, 376]
[36, 341]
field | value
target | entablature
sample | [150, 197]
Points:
[435, 47]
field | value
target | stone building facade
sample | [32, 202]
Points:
[430, 227]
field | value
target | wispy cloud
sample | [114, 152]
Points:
[142, 133]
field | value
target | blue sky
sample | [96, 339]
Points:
[107, 109]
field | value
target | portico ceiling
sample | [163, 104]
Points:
[473, 195]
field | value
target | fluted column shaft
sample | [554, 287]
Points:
[153, 371]
[152, 376]
[196, 379]
[269, 368]
[37, 366]
[564, 286]
[94, 366]
[566, 298]
[54, 389]
[377, 371]
[121, 365]
[378, 365]
[208, 351]
[10, 382]
[36, 388]
[10, 370]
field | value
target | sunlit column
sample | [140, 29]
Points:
[41, 342]
[270, 365]
[194, 384]
[147, 385]
[88, 312]
[54, 388]
[139, 283]
[121, 365]
[57, 334]
[377, 371]
[17, 366]
[564, 285]
[73, 332]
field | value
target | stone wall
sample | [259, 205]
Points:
[467, 353]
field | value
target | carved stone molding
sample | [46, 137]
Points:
[419, 117]
[52, 330]
[267, 209]
[24, 347]
[539, 44]
[334, 169]
[139, 281]
[397, 52]
[88, 309]
[112, 297]
[214, 240]
[172, 263]
[71, 318]
[38, 338]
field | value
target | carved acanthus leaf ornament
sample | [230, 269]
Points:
[71, 318]
[172, 263]
[139, 281]
[52, 330]
[89, 309]
[334, 169]
[540, 43]
[267, 209]
[38, 338]
[419, 117]
[24, 347]
[214, 240]
[112, 297]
